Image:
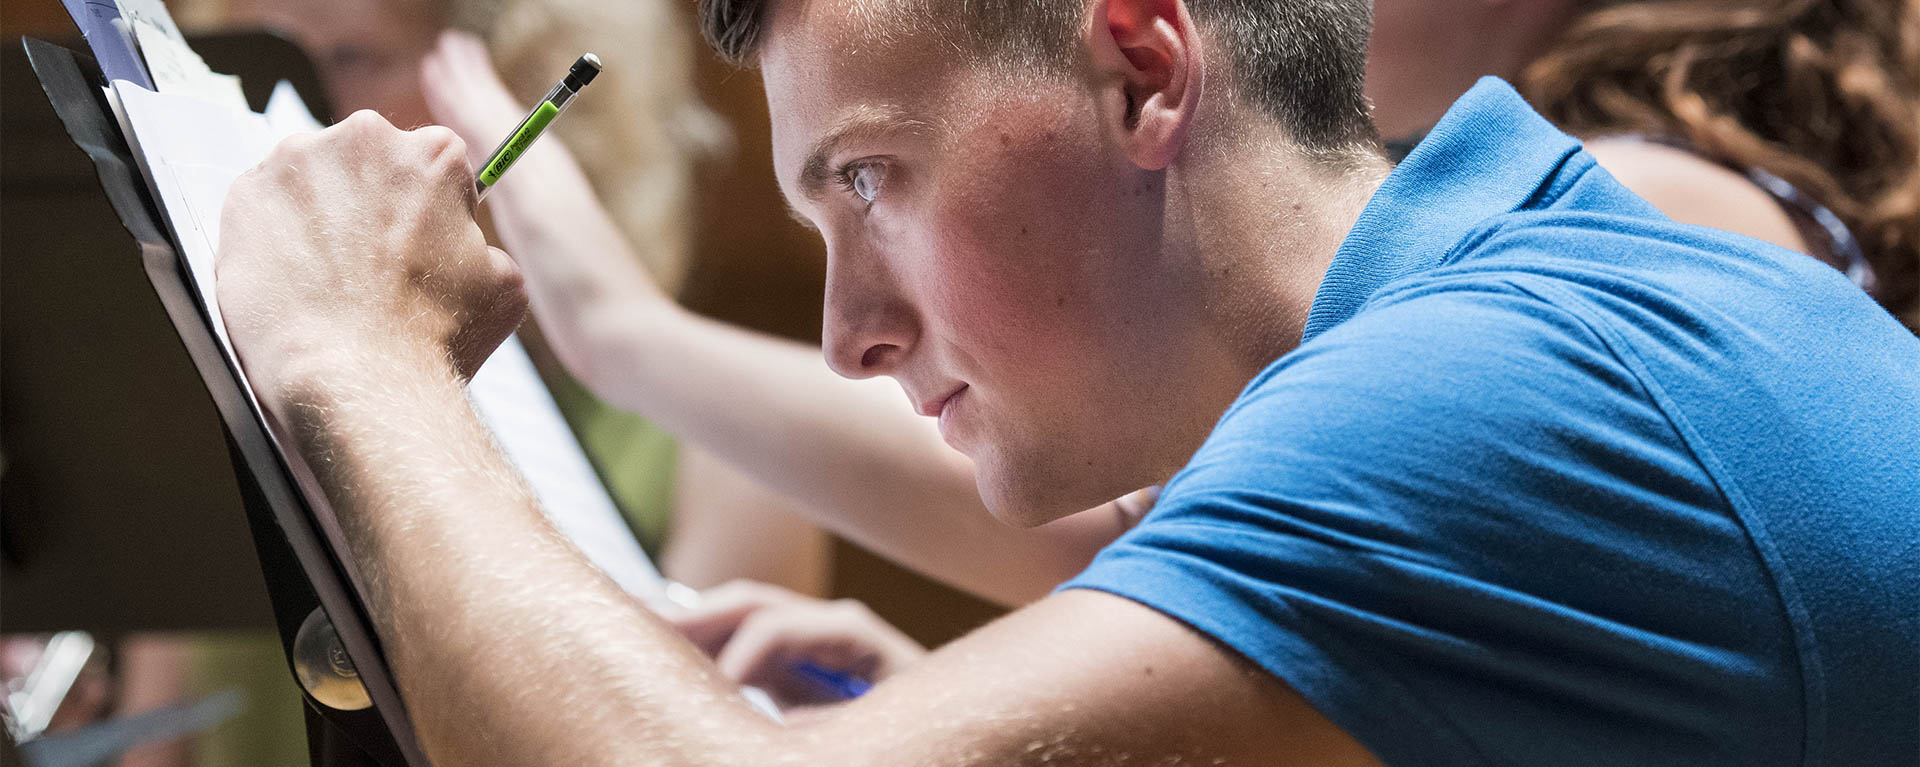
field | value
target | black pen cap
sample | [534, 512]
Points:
[583, 72]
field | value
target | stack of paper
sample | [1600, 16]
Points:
[195, 135]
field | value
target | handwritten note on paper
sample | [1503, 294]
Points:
[176, 69]
[152, 12]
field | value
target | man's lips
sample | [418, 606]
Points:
[932, 408]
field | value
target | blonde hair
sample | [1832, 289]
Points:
[643, 128]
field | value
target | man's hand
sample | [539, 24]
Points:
[356, 246]
[758, 633]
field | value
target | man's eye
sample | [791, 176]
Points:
[864, 179]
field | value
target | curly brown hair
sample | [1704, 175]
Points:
[1822, 93]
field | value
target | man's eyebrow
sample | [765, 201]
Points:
[816, 172]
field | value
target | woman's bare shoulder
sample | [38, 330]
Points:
[1694, 190]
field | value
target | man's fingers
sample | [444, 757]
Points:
[708, 628]
[362, 226]
[492, 318]
[446, 159]
[502, 262]
[756, 652]
[710, 624]
[771, 645]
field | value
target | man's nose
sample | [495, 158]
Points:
[869, 327]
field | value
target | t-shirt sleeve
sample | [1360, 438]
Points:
[1458, 526]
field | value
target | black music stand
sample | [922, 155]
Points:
[302, 572]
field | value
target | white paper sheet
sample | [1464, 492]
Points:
[178, 71]
[191, 150]
[153, 12]
[512, 400]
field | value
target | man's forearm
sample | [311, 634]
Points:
[495, 625]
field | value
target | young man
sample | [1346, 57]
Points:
[1525, 473]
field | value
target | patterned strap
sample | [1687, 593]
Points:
[1841, 242]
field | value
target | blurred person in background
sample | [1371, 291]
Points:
[1791, 121]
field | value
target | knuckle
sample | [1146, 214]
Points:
[285, 155]
[512, 283]
[729, 590]
[850, 607]
[441, 139]
[756, 592]
[297, 143]
[445, 154]
[364, 120]
[513, 302]
[242, 189]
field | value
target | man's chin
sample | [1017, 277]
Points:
[1021, 516]
[1030, 506]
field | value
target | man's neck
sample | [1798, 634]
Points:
[1265, 221]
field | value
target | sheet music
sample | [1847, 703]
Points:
[191, 150]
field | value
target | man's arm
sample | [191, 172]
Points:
[510, 649]
[853, 453]
[360, 295]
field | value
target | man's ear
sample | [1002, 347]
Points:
[1147, 66]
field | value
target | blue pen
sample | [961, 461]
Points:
[842, 684]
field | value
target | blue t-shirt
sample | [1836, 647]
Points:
[1554, 480]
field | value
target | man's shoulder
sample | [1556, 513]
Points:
[1436, 375]
[1452, 329]
[1466, 464]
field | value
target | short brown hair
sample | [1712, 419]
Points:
[1301, 61]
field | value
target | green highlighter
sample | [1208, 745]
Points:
[503, 157]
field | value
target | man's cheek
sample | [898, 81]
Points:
[988, 273]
